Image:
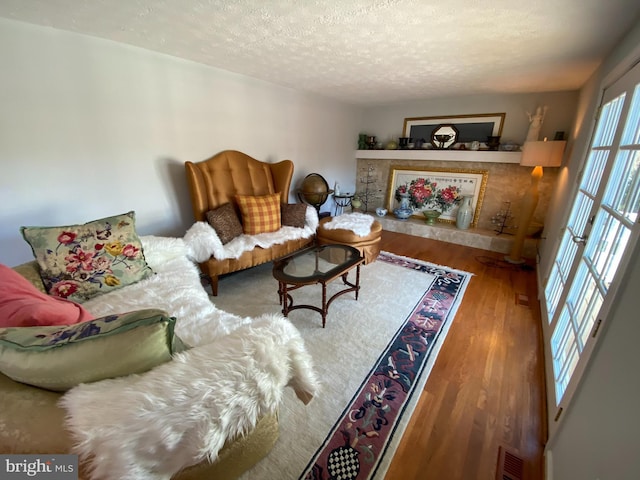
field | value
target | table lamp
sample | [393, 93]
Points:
[537, 155]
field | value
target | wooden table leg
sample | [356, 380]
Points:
[284, 299]
[324, 304]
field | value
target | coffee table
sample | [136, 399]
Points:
[318, 264]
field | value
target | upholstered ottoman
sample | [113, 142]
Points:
[368, 245]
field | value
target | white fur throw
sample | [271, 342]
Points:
[203, 242]
[358, 223]
[151, 425]
[176, 289]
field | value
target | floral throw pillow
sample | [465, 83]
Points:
[60, 357]
[81, 261]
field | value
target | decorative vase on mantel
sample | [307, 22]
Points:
[465, 213]
[431, 216]
[404, 211]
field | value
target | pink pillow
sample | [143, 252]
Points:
[23, 305]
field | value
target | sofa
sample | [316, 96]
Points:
[216, 185]
[194, 415]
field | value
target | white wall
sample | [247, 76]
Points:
[91, 128]
[598, 438]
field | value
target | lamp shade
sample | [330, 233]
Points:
[542, 154]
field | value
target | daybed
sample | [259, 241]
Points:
[216, 184]
[173, 420]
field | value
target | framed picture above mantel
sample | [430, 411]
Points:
[469, 182]
[472, 127]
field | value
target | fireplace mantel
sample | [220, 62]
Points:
[488, 156]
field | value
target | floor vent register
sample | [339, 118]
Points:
[510, 465]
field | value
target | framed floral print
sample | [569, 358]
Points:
[437, 189]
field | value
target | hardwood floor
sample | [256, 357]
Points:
[486, 389]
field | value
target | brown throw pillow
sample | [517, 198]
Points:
[294, 214]
[225, 222]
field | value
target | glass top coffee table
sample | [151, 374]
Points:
[319, 264]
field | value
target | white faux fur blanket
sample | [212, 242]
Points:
[358, 223]
[151, 425]
[176, 289]
[203, 242]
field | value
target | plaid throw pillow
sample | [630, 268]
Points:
[259, 214]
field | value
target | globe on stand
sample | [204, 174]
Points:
[314, 191]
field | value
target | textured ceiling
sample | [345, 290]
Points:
[363, 51]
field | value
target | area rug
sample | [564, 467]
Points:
[373, 357]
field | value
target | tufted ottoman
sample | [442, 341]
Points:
[369, 245]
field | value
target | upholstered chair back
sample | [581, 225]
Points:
[216, 181]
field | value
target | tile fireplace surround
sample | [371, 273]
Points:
[474, 237]
[506, 182]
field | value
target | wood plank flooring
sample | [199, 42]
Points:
[486, 389]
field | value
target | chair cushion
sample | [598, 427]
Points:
[294, 214]
[369, 246]
[23, 305]
[81, 261]
[260, 214]
[58, 358]
[225, 222]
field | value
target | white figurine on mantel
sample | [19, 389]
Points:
[336, 189]
[535, 123]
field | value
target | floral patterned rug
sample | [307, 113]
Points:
[359, 443]
[373, 359]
